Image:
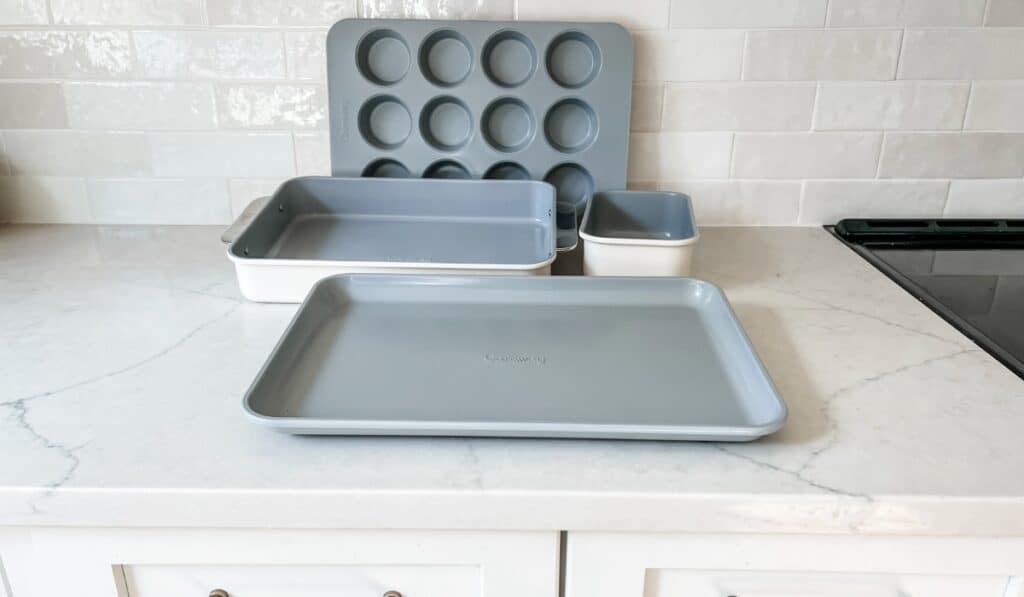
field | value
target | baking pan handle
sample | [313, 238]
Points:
[239, 225]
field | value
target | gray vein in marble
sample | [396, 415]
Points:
[19, 407]
[797, 474]
[127, 368]
[829, 400]
[833, 429]
[831, 306]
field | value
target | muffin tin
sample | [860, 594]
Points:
[482, 99]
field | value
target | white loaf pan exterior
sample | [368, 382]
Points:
[665, 214]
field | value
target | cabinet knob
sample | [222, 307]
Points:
[219, 593]
[392, 594]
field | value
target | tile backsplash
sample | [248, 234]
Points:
[769, 112]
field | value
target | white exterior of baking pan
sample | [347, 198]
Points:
[290, 280]
[609, 255]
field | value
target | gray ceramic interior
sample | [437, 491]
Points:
[383, 57]
[648, 215]
[366, 219]
[430, 355]
[458, 99]
[507, 171]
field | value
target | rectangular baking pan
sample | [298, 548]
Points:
[627, 358]
[316, 226]
[482, 99]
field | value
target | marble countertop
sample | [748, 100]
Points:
[126, 351]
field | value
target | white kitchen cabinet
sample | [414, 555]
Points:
[676, 565]
[308, 581]
[261, 563]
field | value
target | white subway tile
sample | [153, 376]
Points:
[127, 12]
[821, 54]
[828, 201]
[38, 200]
[444, 9]
[272, 106]
[646, 107]
[905, 13]
[244, 191]
[274, 13]
[805, 155]
[986, 199]
[953, 155]
[963, 54]
[738, 106]
[741, 203]
[77, 153]
[23, 12]
[209, 54]
[891, 105]
[1005, 13]
[312, 154]
[32, 106]
[996, 106]
[637, 14]
[306, 54]
[688, 55]
[222, 154]
[744, 13]
[65, 54]
[159, 201]
[675, 156]
[141, 106]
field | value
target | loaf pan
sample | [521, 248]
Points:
[638, 233]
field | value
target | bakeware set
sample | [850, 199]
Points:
[466, 156]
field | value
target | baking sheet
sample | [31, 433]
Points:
[627, 358]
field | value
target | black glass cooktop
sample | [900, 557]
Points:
[971, 272]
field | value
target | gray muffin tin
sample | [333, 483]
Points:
[518, 357]
[482, 99]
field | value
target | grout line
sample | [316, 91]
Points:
[661, 107]
[668, 20]
[899, 54]
[881, 153]
[743, 56]
[49, 12]
[945, 203]
[967, 107]
[295, 154]
[814, 106]
[828, 16]
[800, 202]
[985, 13]
[732, 155]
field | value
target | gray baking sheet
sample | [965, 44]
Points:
[624, 358]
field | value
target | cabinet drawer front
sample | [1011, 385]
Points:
[727, 583]
[308, 581]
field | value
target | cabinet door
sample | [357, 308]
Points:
[261, 563]
[730, 583]
[308, 581]
[678, 565]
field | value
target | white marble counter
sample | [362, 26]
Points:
[126, 352]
